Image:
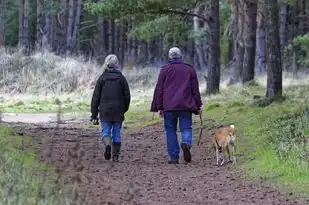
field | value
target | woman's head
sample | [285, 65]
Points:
[111, 61]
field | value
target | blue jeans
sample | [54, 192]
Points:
[170, 124]
[111, 129]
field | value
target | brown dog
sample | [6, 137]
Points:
[224, 139]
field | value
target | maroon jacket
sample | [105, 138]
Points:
[177, 89]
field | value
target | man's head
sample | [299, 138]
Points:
[111, 61]
[174, 52]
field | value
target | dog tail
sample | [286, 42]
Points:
[232, 126]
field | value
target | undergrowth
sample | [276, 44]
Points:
[272, 134]
[21, 175]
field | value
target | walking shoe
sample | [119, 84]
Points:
[107, 153]
[116, 151]
[173, 161]
[186, 152]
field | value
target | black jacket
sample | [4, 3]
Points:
[111, 96]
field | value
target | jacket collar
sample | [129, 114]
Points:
[176, 60]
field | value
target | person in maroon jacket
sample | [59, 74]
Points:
[177, 96]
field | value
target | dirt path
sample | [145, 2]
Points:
[142, 176]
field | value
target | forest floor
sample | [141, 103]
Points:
[142, 176]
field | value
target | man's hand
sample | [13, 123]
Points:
[94, 120]
[161, 113]
[201, 110]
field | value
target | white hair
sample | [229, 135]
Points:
[111, 61]
[174, 52]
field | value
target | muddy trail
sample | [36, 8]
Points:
[143, 176]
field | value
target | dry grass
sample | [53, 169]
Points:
[28, 82]
[292, 88]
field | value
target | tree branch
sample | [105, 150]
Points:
[166, 11]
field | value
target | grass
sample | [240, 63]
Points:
[263, 134]
[21, 174]
[44, 105]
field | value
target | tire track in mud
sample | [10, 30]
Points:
[143, 176]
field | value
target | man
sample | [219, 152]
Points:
[112, 97]
[177, 96]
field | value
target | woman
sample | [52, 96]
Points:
[111, 98]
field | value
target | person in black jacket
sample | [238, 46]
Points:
[111, 98]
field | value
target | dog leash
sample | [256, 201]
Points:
[201, 129]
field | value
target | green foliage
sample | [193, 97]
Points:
[200, 34]
[271, 138]
[301, 44]
[289, 135]
[150, 18]
[172, 27]
[21, 173]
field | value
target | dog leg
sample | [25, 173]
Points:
[217, 155]
[228, 152]
[223, 155]
[233, 153]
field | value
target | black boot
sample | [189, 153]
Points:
[186, 152]
[116, 151]
[108, 148]
[173, 161]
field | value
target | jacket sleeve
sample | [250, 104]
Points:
[195, 89]
[127, 94]
[157, 101]
[95, 101]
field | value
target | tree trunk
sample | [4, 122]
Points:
[134, 49]
[233, 30]
[301, 16]
[239, 43]
[295, 32]
[101, 39]
[213, 77]
[21, 22]
[48, 31]
[39, 23]
[249, 40]
[197, 42]
[113, 36]
[61, 25]
[76, 26]
[306, 8]
[117, 39]
[25, 31]
[110, 37]
[2, 19]
[122, 44]
[283, 30]
[260, 40]
[70, 24]
[274, 67]
[54, 37]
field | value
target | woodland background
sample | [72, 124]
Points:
[247, 36]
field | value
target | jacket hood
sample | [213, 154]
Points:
[112, 74]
